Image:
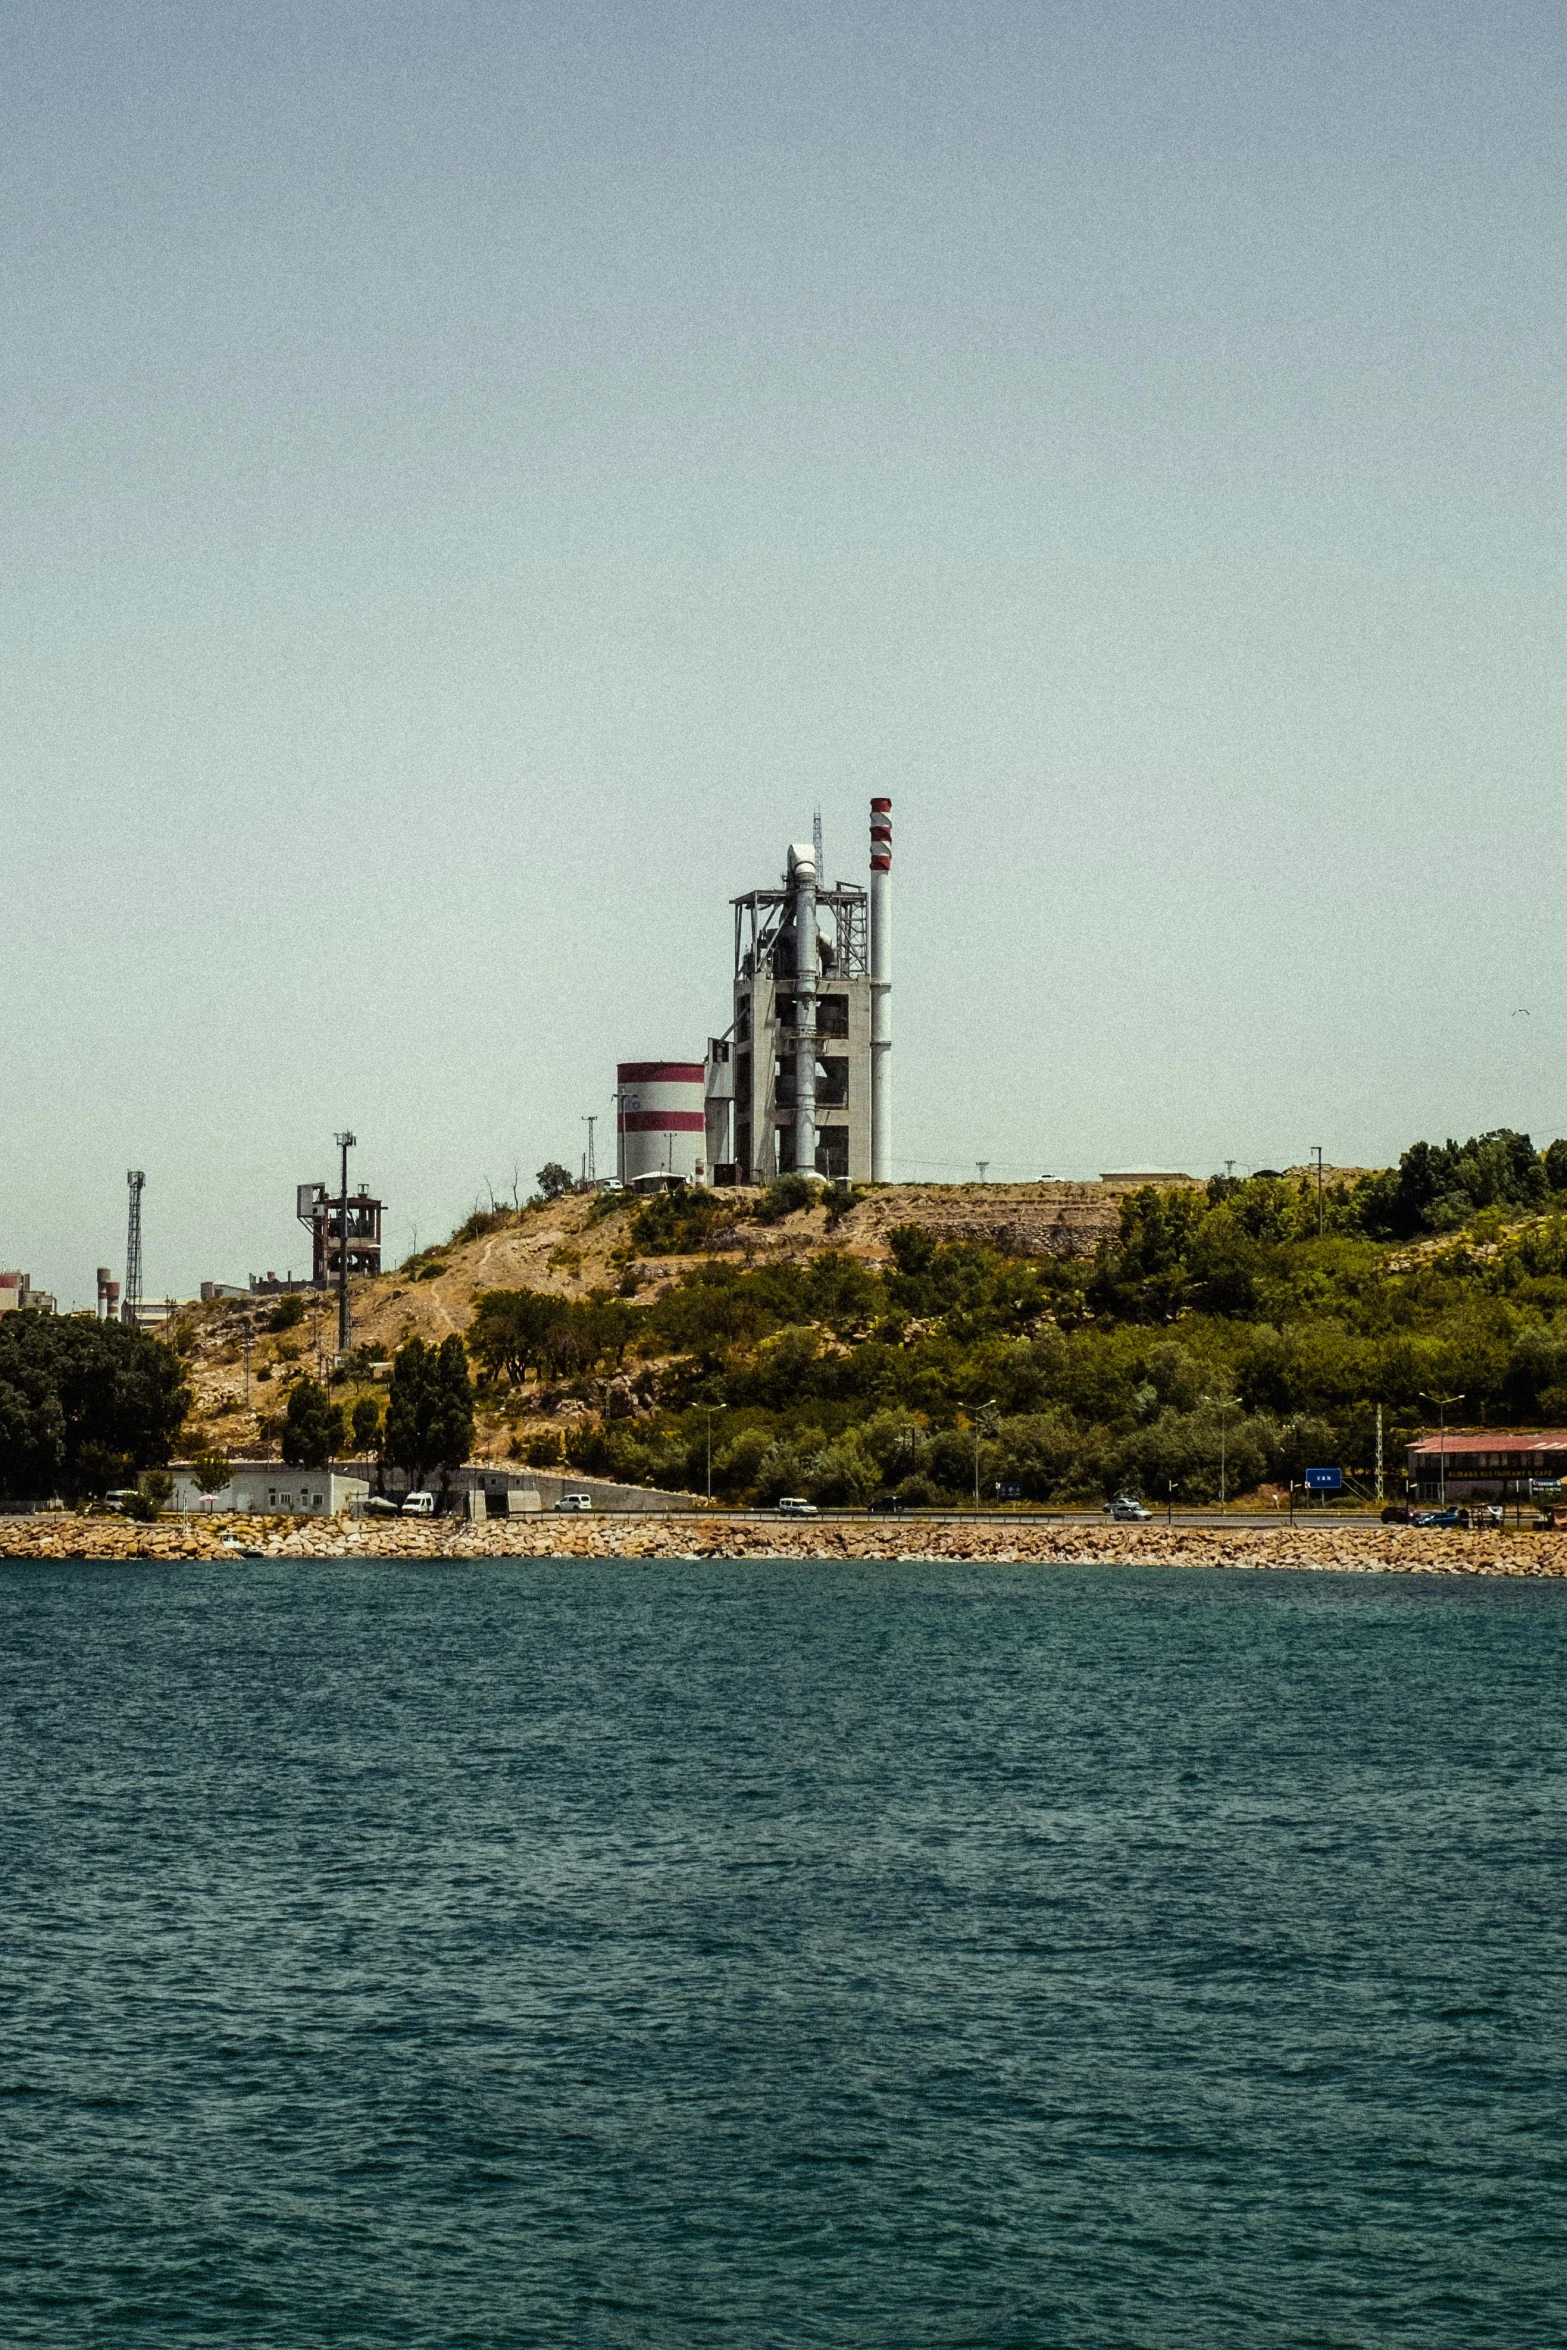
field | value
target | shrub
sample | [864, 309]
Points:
[288, 1313]
[784, 1196]
[481, 1224]
[680, 1223]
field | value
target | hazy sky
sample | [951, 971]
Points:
[476, 476]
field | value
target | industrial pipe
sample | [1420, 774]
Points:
[881, 991]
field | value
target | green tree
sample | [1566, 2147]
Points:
[1436, 1187]
[155, 1489]
[365, 1425]
[453, 1424]
[554, 1180]
[288, 1313]
[313, 1427]
[84, 1405]
[211, 1470]
[429, 1411]
[513, 1329]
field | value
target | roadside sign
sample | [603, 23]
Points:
[1545, 1485]
[1009, 1493]
[1324, 1480]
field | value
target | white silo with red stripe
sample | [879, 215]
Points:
[661, 1121]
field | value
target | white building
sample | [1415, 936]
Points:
[259, 1488]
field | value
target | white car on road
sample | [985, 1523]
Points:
[1125, 1507]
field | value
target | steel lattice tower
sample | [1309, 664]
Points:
[130, 1303]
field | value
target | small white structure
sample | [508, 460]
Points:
[262, 1488]
[518, 1501]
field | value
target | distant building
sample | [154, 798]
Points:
[797, 1062]
[1481, 1463]
[257, 1488]
[1159, 1177]
[326, 1215]
[18, 1296]
[321, 1211]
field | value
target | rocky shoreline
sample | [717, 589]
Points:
[1363, 1550]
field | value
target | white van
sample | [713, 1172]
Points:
[575, 1501]
[418, 1505]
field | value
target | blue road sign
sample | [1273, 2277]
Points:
[1324, 1480]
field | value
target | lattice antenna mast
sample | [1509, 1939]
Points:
[816, 843]
[130, 1304]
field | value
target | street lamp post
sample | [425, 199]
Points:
[1441, 1402]
[710, 1409]
[979, 1412]
[1222, 1404]
[345, 1143]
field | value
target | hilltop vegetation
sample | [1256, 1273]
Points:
[889, 1339]
[1214, 1324]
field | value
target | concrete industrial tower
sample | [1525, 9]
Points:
[804, 1073]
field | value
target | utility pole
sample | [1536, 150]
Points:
[590, 1122]
[1441, 1402]
[1317, 1148]
[982, 1413]
[1379, 1452]
[710, 1409]
[345, 1143]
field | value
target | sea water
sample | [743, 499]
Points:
[586, 1953]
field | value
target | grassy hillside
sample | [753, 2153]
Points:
[1077, 1340]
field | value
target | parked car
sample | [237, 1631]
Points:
[571, 1503]
[418, 1505]
[795, 1505]
[1452, 1516]
[1126, 1508]
[887, 1505]
[1398, 1513]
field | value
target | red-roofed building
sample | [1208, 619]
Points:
[1495, 1461]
